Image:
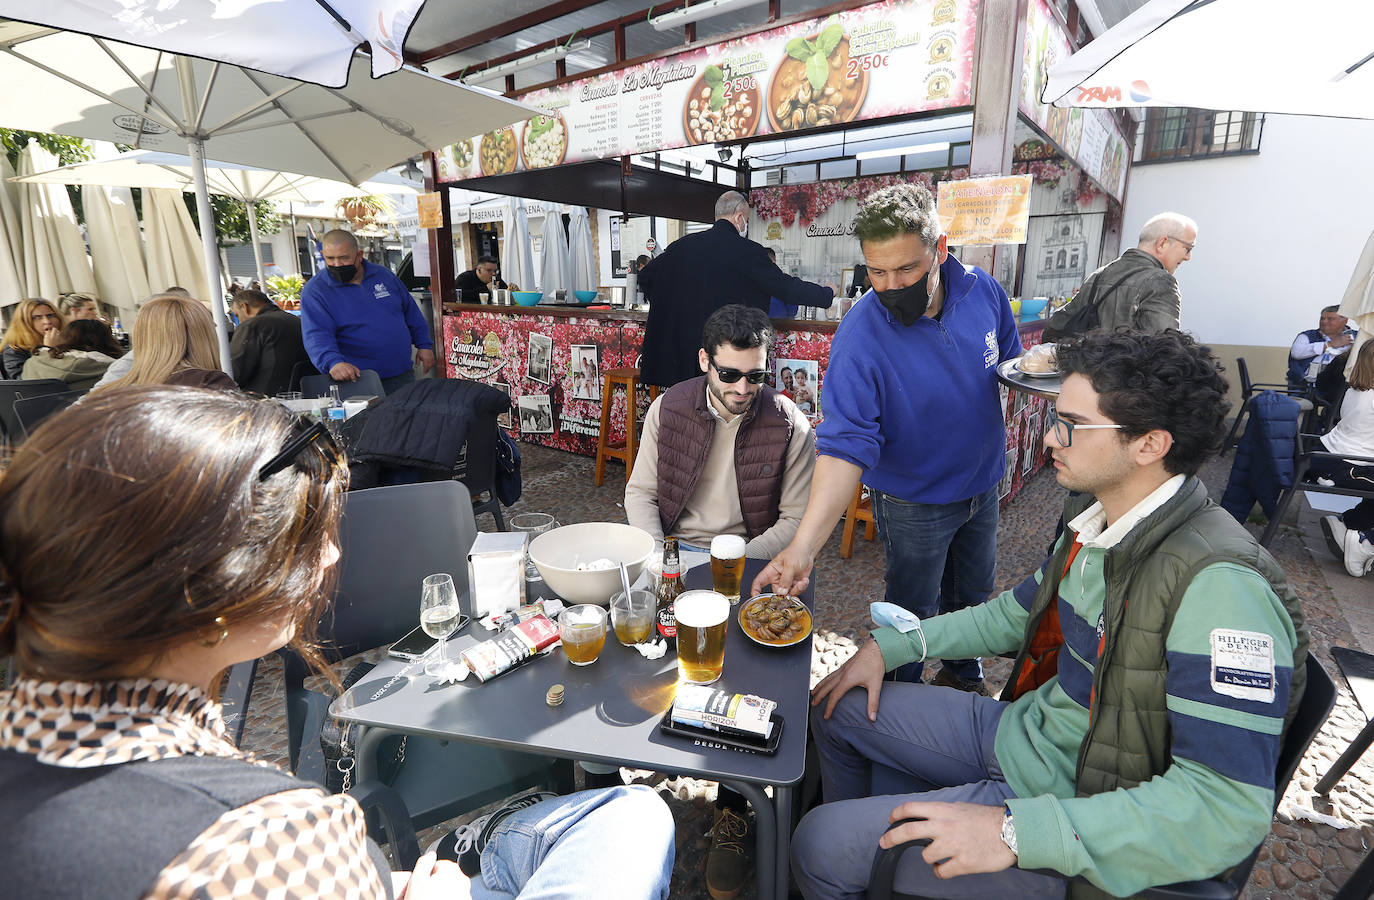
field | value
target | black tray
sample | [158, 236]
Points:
[719, 739]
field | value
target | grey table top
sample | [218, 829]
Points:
[611, 709]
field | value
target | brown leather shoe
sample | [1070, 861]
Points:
[731, 858]
[946, 678]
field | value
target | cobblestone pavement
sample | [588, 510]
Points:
[1315, 842]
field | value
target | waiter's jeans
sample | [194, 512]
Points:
[940, 557]
[929, 743]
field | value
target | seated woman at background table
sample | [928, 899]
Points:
[1351, 534]
[36, 323]
[117, 778]
[175, 343]
[85, 348]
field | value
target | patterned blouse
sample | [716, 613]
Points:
[297, 843]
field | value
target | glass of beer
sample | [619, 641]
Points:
[701, 621]
[632, 616]
[583, 630]
[727, 565]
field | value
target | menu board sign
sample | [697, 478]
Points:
[884, 59]
[1090, 137]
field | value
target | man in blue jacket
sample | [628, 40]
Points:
[357, 315]
[698, 274]
[913, 409]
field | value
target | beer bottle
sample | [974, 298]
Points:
[669, 586]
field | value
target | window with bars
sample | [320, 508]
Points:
[1171, 133]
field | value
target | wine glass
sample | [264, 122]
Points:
[439, 618]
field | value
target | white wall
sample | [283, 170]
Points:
[1278, 233]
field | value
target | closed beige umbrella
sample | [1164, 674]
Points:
[173, 246]
[11, 242]
[121, 277]
[1358, 303]
[54, 255]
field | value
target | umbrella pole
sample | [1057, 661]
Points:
[257, 245]
[207, 240]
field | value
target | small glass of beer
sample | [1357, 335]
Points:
[701, 620]
[727, 565]
[583, 630]
[632, 616]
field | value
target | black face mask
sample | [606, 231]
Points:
[342, 274]
[909, 303]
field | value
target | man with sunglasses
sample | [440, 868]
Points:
[1160, 655]
[1137, 290]
[912, 407]
[723, 453]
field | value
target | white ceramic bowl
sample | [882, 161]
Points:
[557, 553]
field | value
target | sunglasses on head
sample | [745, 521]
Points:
[730, 376]
[307, 433]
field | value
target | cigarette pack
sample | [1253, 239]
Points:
[511, 648]
[704, 707]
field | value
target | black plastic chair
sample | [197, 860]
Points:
[369, 383]
[30, 411]
[11, 391]
[391, 538]
[1249, 388]
[1317, 701]
[301, 370]
[476, 469]
[1302, 460]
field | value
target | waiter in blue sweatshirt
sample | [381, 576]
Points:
[913, 409]
[357, 315]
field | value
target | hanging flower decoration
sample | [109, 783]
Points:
[805, 203]
[1047, 172]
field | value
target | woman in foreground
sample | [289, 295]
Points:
[196, 531]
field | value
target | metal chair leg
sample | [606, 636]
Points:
[1347, 759]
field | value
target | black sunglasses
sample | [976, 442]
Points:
[283, 460]
[730, 376]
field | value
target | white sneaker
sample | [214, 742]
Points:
[1333, 529]
[1359, 553]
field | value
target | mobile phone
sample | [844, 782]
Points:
[416, 644]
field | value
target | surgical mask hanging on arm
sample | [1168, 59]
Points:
[890, 615]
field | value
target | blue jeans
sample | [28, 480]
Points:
[929, 743]
[940, 557]
[613, 844]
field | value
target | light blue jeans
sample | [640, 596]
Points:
[929, 743]
[612, 844]
[940, 557]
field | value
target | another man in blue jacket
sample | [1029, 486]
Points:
[357, 315]
[913, 409]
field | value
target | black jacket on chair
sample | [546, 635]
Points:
[695, 276]
[264, 350]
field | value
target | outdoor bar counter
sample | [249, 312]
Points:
[529, 352]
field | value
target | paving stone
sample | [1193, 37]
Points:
[1283, 879]
[1304, 870]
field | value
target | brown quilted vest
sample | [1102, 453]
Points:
[686, 428]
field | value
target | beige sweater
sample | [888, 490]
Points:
[714, 506]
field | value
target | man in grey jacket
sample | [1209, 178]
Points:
[1137, 289]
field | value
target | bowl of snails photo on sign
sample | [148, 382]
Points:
[721, 108]
[544, 141]
[498, 153]
[455, 161]
[817, 83]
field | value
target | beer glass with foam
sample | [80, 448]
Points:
[701, 620]
[727, 565]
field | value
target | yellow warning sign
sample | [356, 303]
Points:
[991, 210]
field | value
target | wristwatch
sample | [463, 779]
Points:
[1009, 831]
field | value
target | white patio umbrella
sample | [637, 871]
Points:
[250, 184]
[517, 260]
[85, 85]
[121, 275]
[173, 245]
[553, 264]
[11, 242]
[1228, 54]
[582, 275]
[1358, 303]
[55, 260]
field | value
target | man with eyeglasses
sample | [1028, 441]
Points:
[1160, 655]
[1137, 290]
[911, 406]
[723, 453]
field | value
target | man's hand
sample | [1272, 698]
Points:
[1341, 340]
[965, 838]
[426, 358]
[864, 669]
[344, 372]
[788, 572]
[433, 879]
